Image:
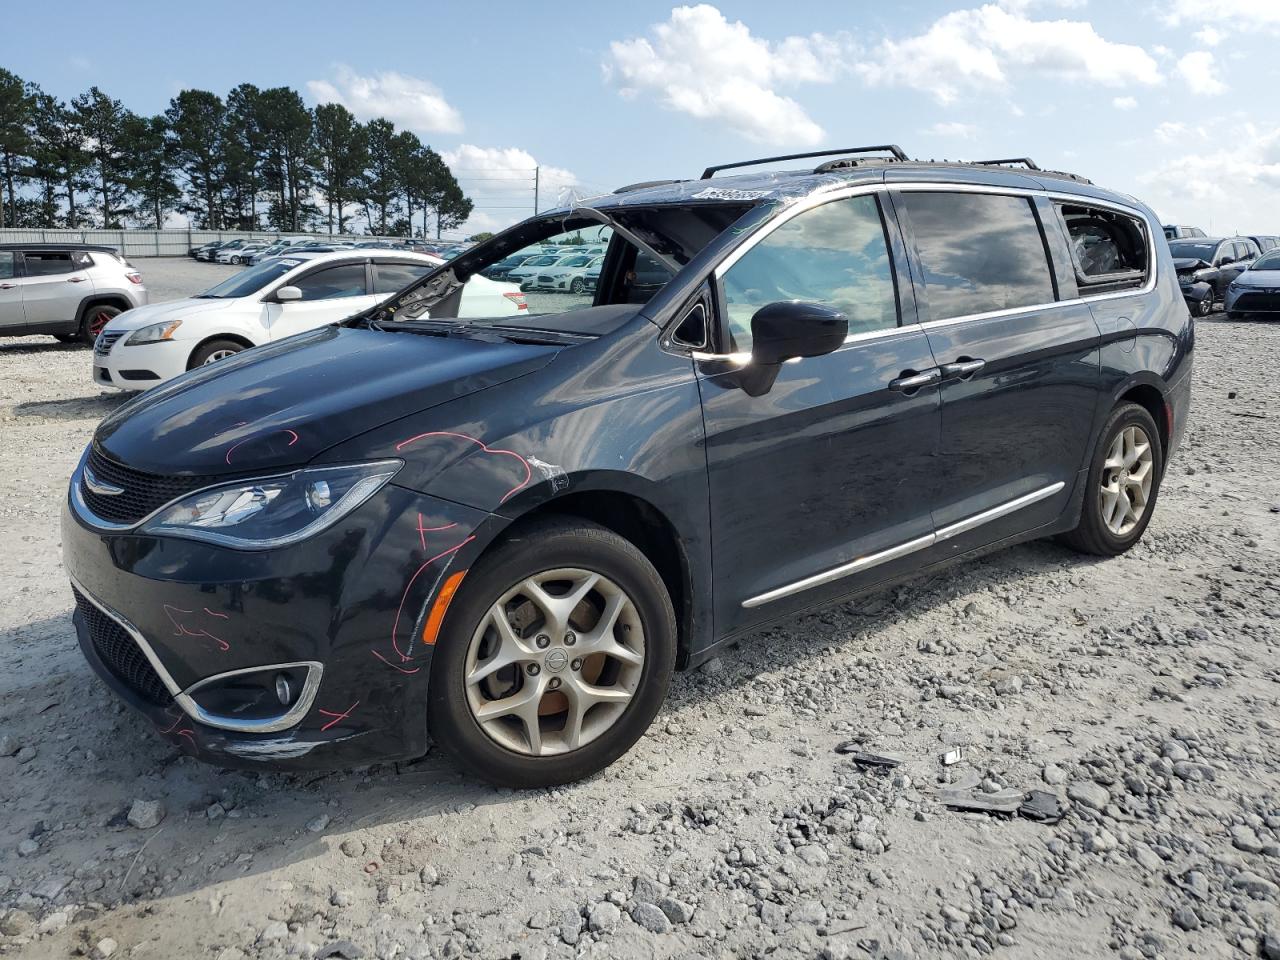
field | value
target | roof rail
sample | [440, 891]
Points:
[1009, 162]
[645, 183]
[890, 148]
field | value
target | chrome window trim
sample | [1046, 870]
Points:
[904, 549]
[843, 193]
[315, 672]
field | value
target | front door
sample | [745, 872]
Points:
[329, 294]
[53, 286]
[12, 318]
[1020, 370]
[823, 483]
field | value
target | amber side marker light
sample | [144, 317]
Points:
[440, 607]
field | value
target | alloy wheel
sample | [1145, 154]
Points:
[100, 317]
[1127, 473]
[554, 662]
[219, 355]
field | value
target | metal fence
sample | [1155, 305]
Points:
[161, 243]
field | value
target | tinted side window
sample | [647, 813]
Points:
[1109, 249]
[346, 280]
[835, 254]
[979, 253]
[8, 265]
[45, 264]
[394, 277]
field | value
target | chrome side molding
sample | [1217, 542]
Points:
[904, 549]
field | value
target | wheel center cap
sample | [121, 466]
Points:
[556, 660]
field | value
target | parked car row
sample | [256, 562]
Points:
[250, 251]
[1208, 268]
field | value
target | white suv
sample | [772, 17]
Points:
[272, 300]
[68, 290]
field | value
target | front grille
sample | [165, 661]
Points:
[144, 493]
[121, 655]
[1262, 301]
[107, 340]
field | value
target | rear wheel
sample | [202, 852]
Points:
[96, 316]
[555, 657]
[213, 351]
[1123, 484]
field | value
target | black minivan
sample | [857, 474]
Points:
[785, 389]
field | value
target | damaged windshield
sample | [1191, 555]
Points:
[542, 273]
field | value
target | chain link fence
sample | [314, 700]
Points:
[166, 243]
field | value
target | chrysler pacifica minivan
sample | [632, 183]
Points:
[506, 533]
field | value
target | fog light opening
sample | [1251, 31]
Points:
[284, 691]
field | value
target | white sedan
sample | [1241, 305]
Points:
[277, 298]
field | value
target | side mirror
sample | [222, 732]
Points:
[289, 293]
[789, 330]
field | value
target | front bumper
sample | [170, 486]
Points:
[139, 367]
[156, 616]
[1252, 299]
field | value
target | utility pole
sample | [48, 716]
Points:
[536, 173]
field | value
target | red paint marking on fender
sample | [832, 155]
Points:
[405, 658]
[393, 666]
[423, 531]
[337, 717]
[528, 470]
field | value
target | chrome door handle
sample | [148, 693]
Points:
[962, 369]
[7, 286]
[915, 381]
[75, 279]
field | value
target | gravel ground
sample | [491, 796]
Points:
[1142, 691]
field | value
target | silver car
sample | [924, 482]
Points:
[68, 290]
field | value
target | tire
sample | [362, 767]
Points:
[67, 337]
[1204, 307]
[1093, 534]
[212, 352]
[499, 751]
[576, 285]
[95, 317]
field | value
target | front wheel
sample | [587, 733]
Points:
[555, 656]
[1122, 485]
[213, 351]
[1204, 307]
[576, 286]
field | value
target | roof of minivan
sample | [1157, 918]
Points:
[789, 185]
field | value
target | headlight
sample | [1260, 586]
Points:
[273, 511]
[154, 333]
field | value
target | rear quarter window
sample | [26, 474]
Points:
[1109, 250]
[978, 253]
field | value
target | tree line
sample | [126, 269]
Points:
[258, 158]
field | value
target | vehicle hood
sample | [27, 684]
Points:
[169, 310]
[282, 404]
[1183, 264]
[1259, 278]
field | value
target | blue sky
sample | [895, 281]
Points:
[1175, 103]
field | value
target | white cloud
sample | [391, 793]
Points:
[404, 100]
[1209, 36]
[954, 129]
[1264, 15]
[977, 50]
[1172, 131]
[1199, 71]
[700, 63]
[1236, 188]
[1125, 103]
[499, 181]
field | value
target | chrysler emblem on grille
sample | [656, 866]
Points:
[100, 488]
